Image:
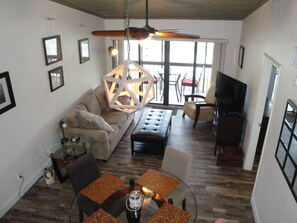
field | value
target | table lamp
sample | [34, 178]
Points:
[63, 126]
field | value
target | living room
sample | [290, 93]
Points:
[31, 126]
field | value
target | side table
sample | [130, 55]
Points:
[62, 154]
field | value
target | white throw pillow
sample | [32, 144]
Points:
[91, 121]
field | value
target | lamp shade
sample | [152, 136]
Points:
[112, 51]
[129, 87]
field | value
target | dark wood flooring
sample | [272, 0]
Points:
[220, 191]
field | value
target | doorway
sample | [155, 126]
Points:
[268, 106]
[269, 77]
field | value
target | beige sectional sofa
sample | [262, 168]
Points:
[93, 121]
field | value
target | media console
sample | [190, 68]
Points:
[227, 128]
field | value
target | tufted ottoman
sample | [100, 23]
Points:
[153, 128]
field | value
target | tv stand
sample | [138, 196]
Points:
[227, 128]
[234, 113]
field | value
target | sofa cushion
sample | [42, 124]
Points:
[115, 117]
[71, 117]
[101, 97]
[112, 135]
[91, 121]
[92, 104]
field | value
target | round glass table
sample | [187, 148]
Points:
[62, 154]
[181, 197]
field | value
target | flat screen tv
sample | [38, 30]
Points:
[230, 93]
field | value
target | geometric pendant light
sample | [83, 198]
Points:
[129, 87]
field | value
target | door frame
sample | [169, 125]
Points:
[251, 143]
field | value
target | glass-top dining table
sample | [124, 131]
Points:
[161, 196]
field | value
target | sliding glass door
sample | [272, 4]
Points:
[178, 67]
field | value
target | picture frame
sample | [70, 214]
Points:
[84, 50]
[241, 56]
[52, 49]
[6, 93]
[56, 78]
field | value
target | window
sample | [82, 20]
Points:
[191, 60]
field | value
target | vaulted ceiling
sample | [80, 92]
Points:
[168, 9]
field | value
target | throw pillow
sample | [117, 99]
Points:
[91, 121]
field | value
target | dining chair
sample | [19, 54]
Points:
[172, 157]
[82, 172]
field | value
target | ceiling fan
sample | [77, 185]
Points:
[143, 33]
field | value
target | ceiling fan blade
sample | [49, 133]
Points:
[176, 35]
[112, 33]
[144, 32]
[134, 32]
[138, 33]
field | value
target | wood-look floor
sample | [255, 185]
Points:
[220, 191]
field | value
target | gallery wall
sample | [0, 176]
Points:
[29, 129]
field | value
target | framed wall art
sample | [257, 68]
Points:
[241, 56]
[84, 50]
[6, 94]
[56, 78]
[52, 49]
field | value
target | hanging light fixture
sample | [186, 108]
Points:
[124, 84]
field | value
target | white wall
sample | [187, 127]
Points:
[272, 29]
[27, 130]
[207, 29]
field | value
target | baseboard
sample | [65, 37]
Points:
[255, 210]
[26, 186]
